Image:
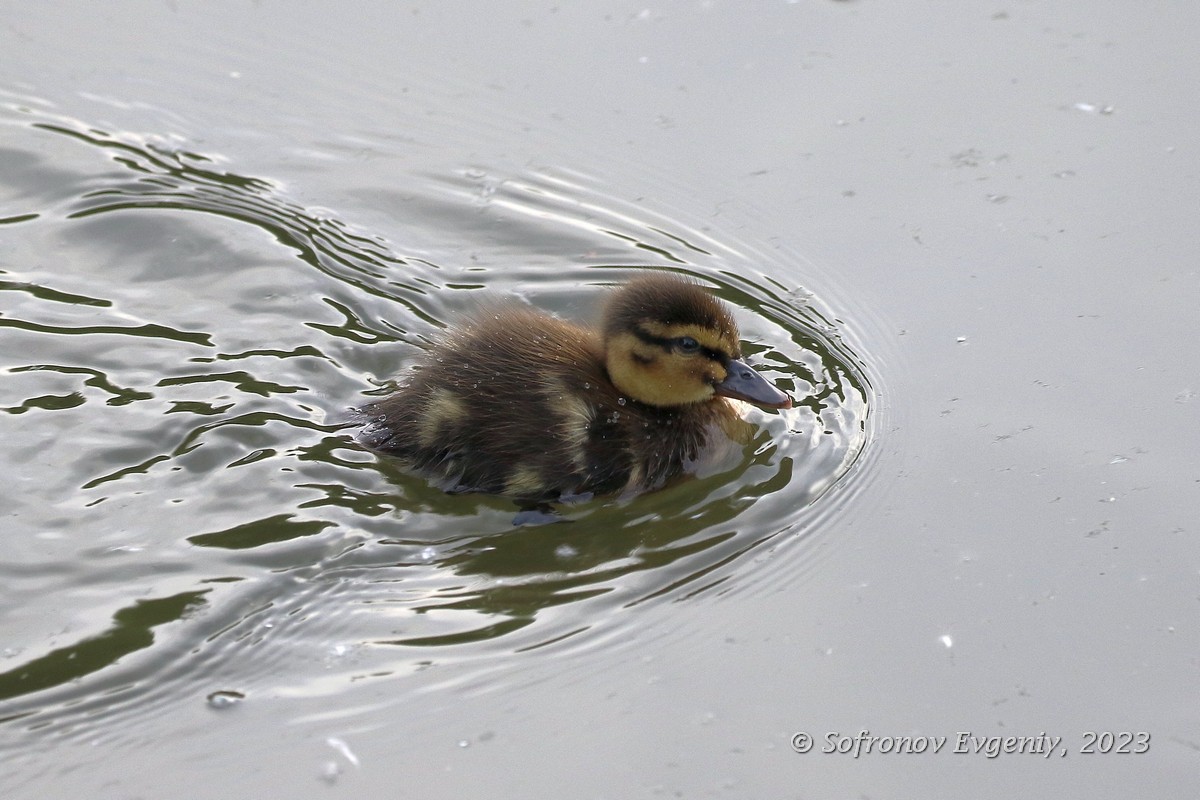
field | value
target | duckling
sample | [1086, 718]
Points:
[525, 405]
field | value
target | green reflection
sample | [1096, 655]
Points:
[242, 381]
[53, 295]
[18, 218]
[271, 530]
[471, 586]
[505, 580]
[147, 331]
[48, 402]
[132, 630]
[96, 379]
[177, 180]
[193, 440]
[468, 577]
[477, 635]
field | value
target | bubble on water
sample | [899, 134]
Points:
[1092, 108]
[224, 698]
[330, 771]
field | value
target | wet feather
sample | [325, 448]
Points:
[518, 403]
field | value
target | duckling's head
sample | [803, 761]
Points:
[668, 342]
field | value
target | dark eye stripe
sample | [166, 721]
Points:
[665, 343]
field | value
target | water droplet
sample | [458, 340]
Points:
[330, 772]
[224, 698]
[620, 401]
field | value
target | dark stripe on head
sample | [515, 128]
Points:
[667, 343]
[668, 300]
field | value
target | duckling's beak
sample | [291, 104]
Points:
[743, 383]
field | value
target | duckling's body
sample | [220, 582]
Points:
[521, 404]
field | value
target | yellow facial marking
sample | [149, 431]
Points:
[661, 376]
[444, 410]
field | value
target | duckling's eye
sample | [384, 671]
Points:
[686, 344]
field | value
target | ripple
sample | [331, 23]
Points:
[182, 386]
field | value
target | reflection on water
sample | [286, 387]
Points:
[193, 512]
[132, 630]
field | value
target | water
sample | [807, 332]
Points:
[182, 403]
[969, 235]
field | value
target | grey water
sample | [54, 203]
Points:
[962, 235]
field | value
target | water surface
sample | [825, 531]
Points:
[182, 412]
[965, 232]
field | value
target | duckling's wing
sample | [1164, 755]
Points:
[505, 405]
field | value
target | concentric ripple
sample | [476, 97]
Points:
[182, 344]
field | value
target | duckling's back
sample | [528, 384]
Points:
[513, 403]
